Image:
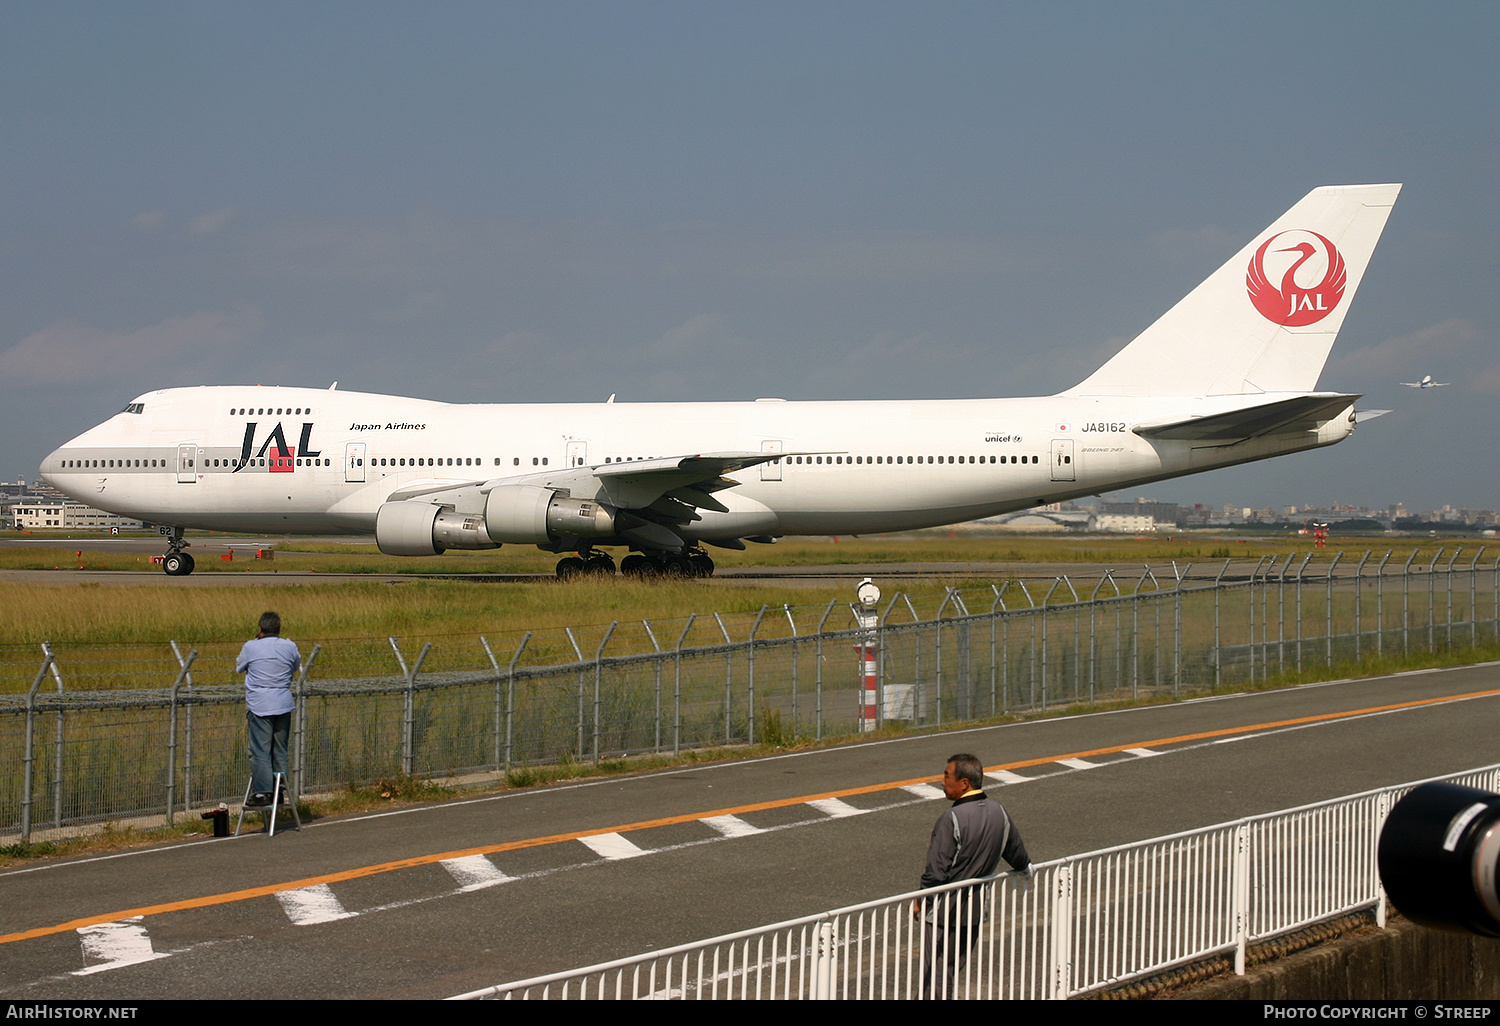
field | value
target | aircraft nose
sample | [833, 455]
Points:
[49, 466]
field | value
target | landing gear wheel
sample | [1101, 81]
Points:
[601, 564]
[569, 568]
[702, 564]
[676, 565]
[177, 564]
[637, 565]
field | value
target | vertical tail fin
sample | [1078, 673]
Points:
[1265, 321]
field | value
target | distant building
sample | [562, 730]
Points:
[1164, 513]
[1123, 523]
[68, 516]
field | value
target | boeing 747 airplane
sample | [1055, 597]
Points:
[1226, 376]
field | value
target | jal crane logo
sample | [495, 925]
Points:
[1302, 298]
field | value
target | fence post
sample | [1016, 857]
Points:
[187, 755]
[182, 673]
[1045, 599]
[1382, 810]
[1359, 590]
[1156, 630]
[57, 748]
[1135, 636]
[818, 667]
[1218, 641]
[408, 704]
[510, 701]
[1474, 598]
[938, 649]
[1281, 613]
[750, 670]
[656, 741]
[1077, 631]
[791, 622]
[1305, 560]
[1448, 578]
[598, 684]
[578, 747]
[299, 746]
[1328, 610]
[1380, 605]
[27, 769]
[1240, 889]
[677, 685]
[825, 961]
[728, 678]
[1177, 627]
[1431, 601]
[1062, 932]
[1406, 605]
[494, 665]
[1253, 572]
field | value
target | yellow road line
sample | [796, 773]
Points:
[229, 897]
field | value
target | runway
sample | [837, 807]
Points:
[437, 900]
[268, 574]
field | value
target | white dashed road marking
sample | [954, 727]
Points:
[115, 945]
[730, 826]
[834, 807]
[1007, 777]
[474, 872]
[613, 846]
[310, 905]
[924, 790]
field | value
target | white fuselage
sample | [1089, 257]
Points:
[318, 461]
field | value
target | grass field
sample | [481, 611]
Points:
[928, 546]
[139, 621]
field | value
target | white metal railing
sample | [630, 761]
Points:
[1081, 923]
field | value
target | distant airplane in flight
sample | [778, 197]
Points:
[1226, 376]
[1426, 382]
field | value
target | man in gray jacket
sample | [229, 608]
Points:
[968, 843]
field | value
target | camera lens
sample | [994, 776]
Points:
[1438, 851]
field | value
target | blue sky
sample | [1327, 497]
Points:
[533, 202]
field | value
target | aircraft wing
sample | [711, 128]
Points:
[1303, 413]
[651, 496]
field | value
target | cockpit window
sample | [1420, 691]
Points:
[135, 408]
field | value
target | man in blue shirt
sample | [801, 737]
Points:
[269, 662]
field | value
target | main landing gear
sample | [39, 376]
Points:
[591, 563]
[692, 563]
[177, 563]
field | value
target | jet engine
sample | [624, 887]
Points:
[519, 514]
[529, 514]
[416, 528]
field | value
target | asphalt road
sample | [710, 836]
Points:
[442, 899]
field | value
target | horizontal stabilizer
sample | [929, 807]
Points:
[1303, 413]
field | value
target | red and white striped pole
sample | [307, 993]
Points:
[869, 654]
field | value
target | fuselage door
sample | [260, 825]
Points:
[1062, 459]
[354, 462]
[578, 454]
[187, 463]
[771, 471]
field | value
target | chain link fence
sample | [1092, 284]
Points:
[110, 734]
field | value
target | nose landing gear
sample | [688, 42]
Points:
[177, 563]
